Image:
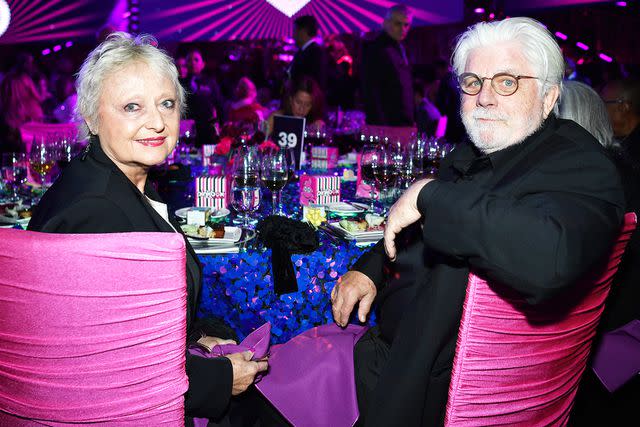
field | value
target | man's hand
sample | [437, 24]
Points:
[244, 370]
[403, 213]
[351, 288]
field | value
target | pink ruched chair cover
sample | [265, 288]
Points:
[92, 329]
[516, 366]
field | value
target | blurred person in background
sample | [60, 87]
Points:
[181, 65]
[622, 98]
[310, 60]
[427, 114]
[386, 73]
[65, 95]
[204, 101]
[301, 99]
[341, 89]
[245, 108]
[19, 104]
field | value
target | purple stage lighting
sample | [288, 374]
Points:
[561, 35]
[46, 51]
[582, 46]
[605, 58]
[621, 4]
[478, 10]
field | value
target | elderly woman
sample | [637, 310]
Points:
[130, 100]
[302, 98]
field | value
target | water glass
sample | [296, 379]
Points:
[245, 200]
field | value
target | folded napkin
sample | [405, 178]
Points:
[311, 377]
[617, 358]
[285, 236]
[257, 342]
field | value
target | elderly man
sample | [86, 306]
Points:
[386, 73]
[533, 203]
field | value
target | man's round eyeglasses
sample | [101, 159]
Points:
[504, 84]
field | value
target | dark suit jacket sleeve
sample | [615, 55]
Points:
[560, 225]
[371, 263]
[210, 382]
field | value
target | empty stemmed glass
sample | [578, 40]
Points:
[411, 167]
[14, 173]
[274, 174]
[42, 158]
[369, 157]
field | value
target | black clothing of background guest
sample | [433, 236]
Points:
[310, 60]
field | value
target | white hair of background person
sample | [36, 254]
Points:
[538, 47]
[583, 105]
[116, 52]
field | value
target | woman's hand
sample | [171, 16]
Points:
[245, 370]
[210, 342]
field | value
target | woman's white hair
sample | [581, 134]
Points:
[538, 47]
[584, 106]
[116, 52]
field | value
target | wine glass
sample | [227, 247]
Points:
[42, 158]
[14, 172]
[369, 157]
[274, 174]
[384, 168]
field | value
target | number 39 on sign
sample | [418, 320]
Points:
[287, 140]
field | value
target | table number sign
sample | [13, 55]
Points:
[288, 133]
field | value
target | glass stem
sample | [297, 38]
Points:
[372, 195]
[274, 201]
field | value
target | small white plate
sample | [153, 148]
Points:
[231, 235]
[346, 208]
[220, 213]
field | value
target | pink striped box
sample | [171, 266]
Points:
[323, 157]
[319, 189]
[212, 191]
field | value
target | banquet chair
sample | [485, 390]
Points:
[92, 329]
[519, 365]
[48, 131]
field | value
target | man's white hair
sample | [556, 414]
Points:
[119, 50]
[538, 47]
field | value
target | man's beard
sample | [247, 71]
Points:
[506, 131]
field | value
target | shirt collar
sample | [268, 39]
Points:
[306, 45]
